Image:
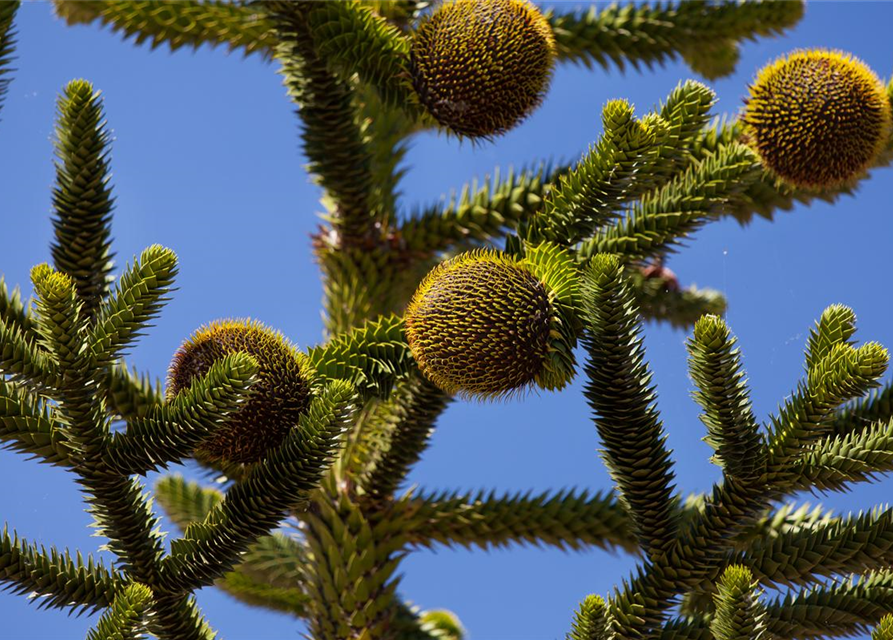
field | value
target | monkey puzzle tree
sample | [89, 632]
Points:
[524, 273]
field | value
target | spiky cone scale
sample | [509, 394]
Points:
[281, 395]
[482, 324]
[817, 118]
[482, 66]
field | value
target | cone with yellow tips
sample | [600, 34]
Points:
[481, 66]
[484, 324]
[818, 118]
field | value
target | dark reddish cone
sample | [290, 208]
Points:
[278, 399]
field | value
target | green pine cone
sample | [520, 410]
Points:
[818, 118]
[279, 397]
[482, 66]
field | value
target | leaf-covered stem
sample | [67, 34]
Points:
[331, 132]
[7, 44]
[732, 429]
[394, 435]
[622, 397]
[191, 23]
[124, 619]
[82, 196]
[563, 519]
[652, 33]
[57, 578]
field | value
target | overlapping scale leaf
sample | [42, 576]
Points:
[836, 546]
[130, 394]
[59, 321]
[555, 267]
[836, 326]
[22, 359]
[589, 623]
[351, 571]
[615, 170]
[835, 462]
[884, 629]
[844, 373]
[267, 573]
[480, 211]
[394, 435]
[184, 501]
[332, 133]
[855, 416]
[664, 218]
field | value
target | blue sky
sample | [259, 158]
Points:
[206, 161]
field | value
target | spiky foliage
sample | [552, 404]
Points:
[564, 519]
[739, 614]
[356, 39]
[589, 622]
[124, 619]
[337, 469]
[82, 198]
[331, 133]
[190, 23]
[57, 579]
[444, 624]
[280, 397]
[818, 118]
[732, 429]
[884, 630]
[480, 67]
[393, 434]
[627, 420]
[7, 44]
[704, 34]
[63, 386]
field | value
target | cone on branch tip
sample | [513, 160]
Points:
[817, 118]
[481, 66]
[280, 396]
[483, 325]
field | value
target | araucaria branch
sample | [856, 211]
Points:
[523, 280]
